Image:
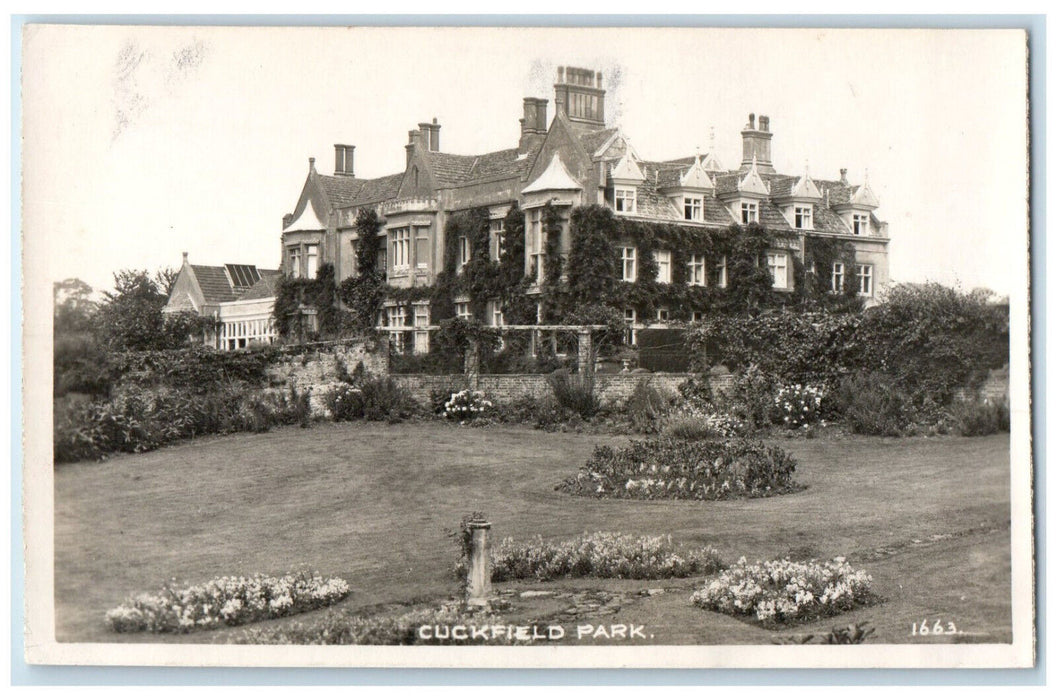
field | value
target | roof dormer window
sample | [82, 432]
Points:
[693, 208]
[750, 213]
[624, 199]
[802, 217]
[860, 224]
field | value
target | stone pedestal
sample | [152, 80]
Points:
[479, 577]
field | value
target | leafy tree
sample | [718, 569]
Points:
[130, 318]
[73, 308]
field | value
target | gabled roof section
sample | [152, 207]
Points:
[864, 196]
[596, 142]
[627, 169]
[214, 283]
[752, 183]
[341, 190]
[555, 177]
[307, 221]
[265, 286]
[696, 177]
[711, 163]
[793, 188]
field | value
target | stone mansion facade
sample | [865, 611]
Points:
[570, 159]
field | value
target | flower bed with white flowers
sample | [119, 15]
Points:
[797, 405]
[225, 601]
[701, 470]
[781, 591]
[466, 405]
[598, 554]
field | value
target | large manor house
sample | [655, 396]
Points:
[567, 158]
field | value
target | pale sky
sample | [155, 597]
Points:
[140, 143]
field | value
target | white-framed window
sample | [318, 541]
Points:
[630, 318]
[778, 264]
[462, 310]
[624, 199]
[662, 314]
[802, 217]
[535, 237]
[721, 272]
[695, 275]
[495, 238]
[464, 251]
[397, 319]
[664, 266]
[697, 316]
[628, 266]
[750, 212]
[421, 325]
[497, 313]
[400, 245]
[860, 224]
[836, 283]
[865, 275]
[295, 261]
[422, 248]
[693, 208]
[311, 261]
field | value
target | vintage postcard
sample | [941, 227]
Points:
[526, 347]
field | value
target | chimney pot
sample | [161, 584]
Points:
[844, 176]
[185, 256]
[752, 120]
[765, 123]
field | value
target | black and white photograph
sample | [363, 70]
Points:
[669, 347]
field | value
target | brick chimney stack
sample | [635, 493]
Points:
[756, 144]
[431, 135]
[533, 123]
[579, 93]
[343, 159]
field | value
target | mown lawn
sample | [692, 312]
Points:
[927, 517]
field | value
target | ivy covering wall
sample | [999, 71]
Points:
[584, 284]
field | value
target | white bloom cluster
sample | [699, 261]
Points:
[466, 405]
[228, 600]
[798, 404]
[783, 590]
[600, 554]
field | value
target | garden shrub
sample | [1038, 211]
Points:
[750, 398]
[597, 554]
[976, 417]
[575, 393]
[691, 425]
[780, 592]
[440, 396]
[871, 404]
[797, 405]
[387, 628]
[225, 601]
[664, 468]
[140, 420]
[467, 405]
[80, 365]
[371, 398]
[646, 407]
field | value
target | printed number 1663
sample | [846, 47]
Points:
[922, 629]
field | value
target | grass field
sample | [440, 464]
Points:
[927, 517]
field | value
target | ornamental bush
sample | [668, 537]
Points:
[781, 592]
[466, 405]
[796, 405]
[225, 601]
[597, 554]
[971, 418]
[669, 468]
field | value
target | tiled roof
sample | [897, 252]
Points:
[823, 219]
[341, 189]
[449, 169]
[508, 163]
[213, 281]
[771, 218]
[593, 140]
[717, 213]
[265, 286]
[782, 185]
[344, 191]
